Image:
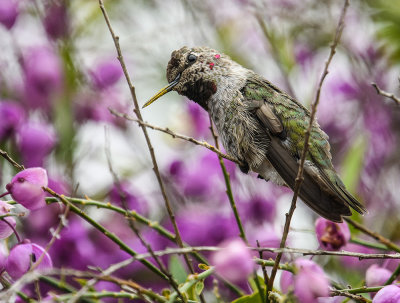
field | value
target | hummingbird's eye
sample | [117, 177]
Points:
[191, 58]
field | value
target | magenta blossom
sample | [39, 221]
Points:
[43, 77]
[26, 188]
[331, 235]
[309, 283]
[11, 115]
[8, 13]
[23, 256]
[35, 141]
[106, 74]
[233, 261]
[56, 20]
[388, 294]
[376, 276]
[123, 195]
[6, 228]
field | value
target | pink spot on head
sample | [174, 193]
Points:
[217, 56]
[211, 65]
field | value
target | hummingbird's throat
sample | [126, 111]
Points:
[200, 91]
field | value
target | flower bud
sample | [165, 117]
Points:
[5, 229]
[233, 261]
[35, 141]
[11, 115]
[331, 235]
[56, 20]
[309, 283]
[8, 13]
[23, 256]
[26, 188]
[106, 74]
[388, 294]
[43, 76]
[376, 275]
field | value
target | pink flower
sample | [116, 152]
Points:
[22, 256]
[8, 13]
[56, 20]
[35, 141]
[376, 275]
[330, 235]
[388, 294]
[309, 283]
[106, 74]
[5, 229]
[233, 261]
[43, 76]
[11, 115]
[26, 188]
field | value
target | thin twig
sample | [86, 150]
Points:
[264, 270]
[299, 178]
[275, 53]
[228, 186]
[12, 161]
[144, 129]
[174, 135]
[386, 94]
[373, 234]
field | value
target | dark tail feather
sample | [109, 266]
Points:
[328, 200]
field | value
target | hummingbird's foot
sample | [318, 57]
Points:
[261, 177]
[244, 167]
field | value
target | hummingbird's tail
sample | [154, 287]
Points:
[321, 190]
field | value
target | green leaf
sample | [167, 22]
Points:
[353, 164]
[253, 284]
[253, 298]
[199, 287]
[177, 269]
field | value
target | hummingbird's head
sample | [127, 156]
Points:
[195, 73]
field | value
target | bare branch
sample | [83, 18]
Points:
[386, 94]
[174, 135]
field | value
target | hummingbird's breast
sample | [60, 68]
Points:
[238, 129]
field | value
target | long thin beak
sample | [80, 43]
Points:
[163, 91]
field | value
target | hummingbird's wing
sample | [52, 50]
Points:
[287, 121]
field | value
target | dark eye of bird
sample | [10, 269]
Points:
[191, 58]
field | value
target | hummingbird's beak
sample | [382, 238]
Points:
[163, 91]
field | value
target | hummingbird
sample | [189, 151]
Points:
[260, 126]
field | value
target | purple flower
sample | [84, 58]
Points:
[199, 119]
[215, 227]
[124, 194]
[35, 141]
[5, 229]
[11, 115]
[258, 210]
[8, 13]
[330, 235]
[22, 256]
[43, 76]
[234, 261]
[26, 188]
[95, 107]
[309, 282]
[376, 275]
[106, 74]
[388, 294]
[56, 20]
